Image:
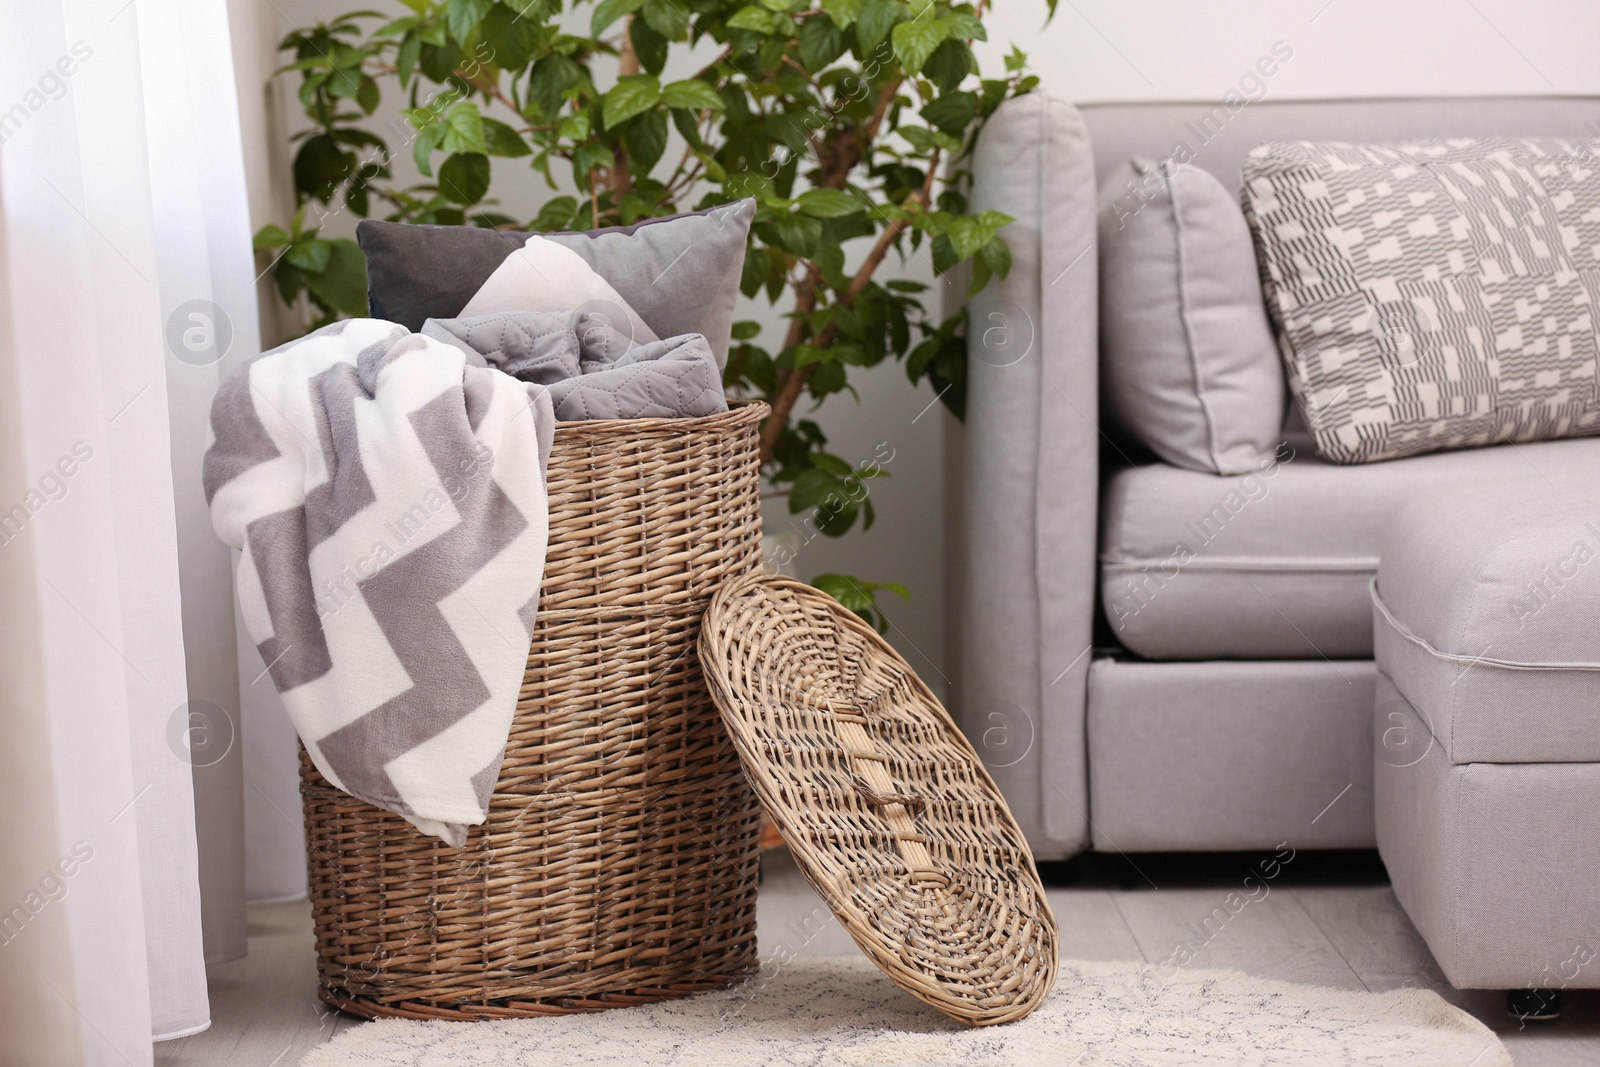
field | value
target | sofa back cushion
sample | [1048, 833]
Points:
[1187, 361]
[1435, 293]
[1218, 136]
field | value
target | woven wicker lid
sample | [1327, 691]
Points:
[884, 804]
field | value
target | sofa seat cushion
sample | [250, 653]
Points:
[1486, 615]
[1276, 564]
[1495, 863]
[1230, 755]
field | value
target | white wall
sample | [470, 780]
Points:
[1109, 50]
[1098, 50]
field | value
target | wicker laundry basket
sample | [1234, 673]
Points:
[618, 863]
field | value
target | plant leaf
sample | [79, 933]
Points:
[753, 17]
[422, 148]
[875, 21]
[860, 596]
[273, 236]
[502, 140]
[556, 214]
[815, 488]
[463, 15]
[806, 355]
[345, 82]
[512, 40]
[464, 178]
[463, 130]
[343, 285]
[631, 95]
[320, 165]
[960, 25]
[829, 203]
[608, 11]
[693, 94]
[915, 41]
[667, 17]
[369, 96]
[589, 157]
[950, 64]
[832, 464]
[648, 45]
[687, 123]
[406, 61]
[646, 138]
[575, 127]
[996, 255]
[952, 112]
[799, 234]
[842, 12]
[821, 42]
[310, 255]
[552, 76]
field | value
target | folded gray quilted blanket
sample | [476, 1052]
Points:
[591, 370]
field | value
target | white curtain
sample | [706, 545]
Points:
[274, 841]
[125, 270]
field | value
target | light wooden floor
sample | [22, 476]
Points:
[1329, 919]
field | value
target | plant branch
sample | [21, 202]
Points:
[681, 180]
[490, 89]
[792, 383]
[804, 73]
[618, 179]
[703, 71]
[886, 95]
[627, 58]
[837, 155]
[891, 233]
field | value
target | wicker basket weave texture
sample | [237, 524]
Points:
[884, 804]
[618, 862]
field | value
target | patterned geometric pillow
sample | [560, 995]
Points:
[1433, 294]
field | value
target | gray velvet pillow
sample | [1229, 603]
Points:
[679, 273]
[1188, 365]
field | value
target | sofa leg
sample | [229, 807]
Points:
[1534, 1005]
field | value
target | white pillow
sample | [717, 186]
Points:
[545, 276]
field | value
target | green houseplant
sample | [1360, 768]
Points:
[846, 120]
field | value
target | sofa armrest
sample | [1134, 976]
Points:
[1023, 476]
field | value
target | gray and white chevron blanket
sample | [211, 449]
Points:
[386, 490]
[388, 497]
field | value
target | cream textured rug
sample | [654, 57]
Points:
[842, 1011]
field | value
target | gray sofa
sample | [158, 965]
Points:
[1226, 703]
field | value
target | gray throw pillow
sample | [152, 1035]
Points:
[1187, 360]
[1432, 294]
[679, 273]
